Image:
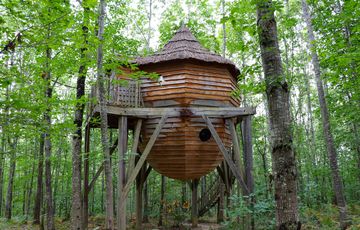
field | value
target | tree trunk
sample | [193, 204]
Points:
[2, 153]
[9, 194]
[47, 148]
[39, 192]
[146, 203]
[220, 211]
[77, 220]
[109, 200]
[162, 200]
[248, 162]
[30, 189]
[284, 164]
[194, 203]
[329, 140]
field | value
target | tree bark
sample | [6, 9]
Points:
[9, 193]
[78, 221]
[30, 189]
[101, 78]
[162, 200]
[284, 164]
[2, 153]
[47, 147]
[329, 140]
[194, 203]
[220, 211]
[39, 189]
[146, 203]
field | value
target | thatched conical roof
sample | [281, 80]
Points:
[185, 46]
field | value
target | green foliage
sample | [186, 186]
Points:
[240, 212]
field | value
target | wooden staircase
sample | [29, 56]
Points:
[210, 197]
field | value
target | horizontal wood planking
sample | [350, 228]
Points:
[178, 152]
[201, 82]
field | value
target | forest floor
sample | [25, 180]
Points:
[312, 219]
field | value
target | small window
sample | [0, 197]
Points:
[205, 135]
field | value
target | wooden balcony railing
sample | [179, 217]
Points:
[123, 95]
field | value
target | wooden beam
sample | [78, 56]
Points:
[143, 156]
[223, 112]
[221, 173]
[134, 148]
[226, 155]
[147, 173]
[122, 147]
[248, 153]
[236, 146]
[227, 177]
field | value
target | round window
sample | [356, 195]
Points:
[205, 135]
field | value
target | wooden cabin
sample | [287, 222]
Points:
[190, 76]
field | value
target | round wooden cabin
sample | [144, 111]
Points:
[191, 76]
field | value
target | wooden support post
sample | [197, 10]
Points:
[143, 157]
[248, 161]
[194, 207]
[86, 178]
[248, 153]
[138, 199]
[225, 153]
[122, 147]
[227, 177]
[236, 146]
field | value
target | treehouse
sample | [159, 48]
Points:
[191, 81]
[183, 122]
[190, 77]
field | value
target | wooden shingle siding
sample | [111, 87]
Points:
[178, 152]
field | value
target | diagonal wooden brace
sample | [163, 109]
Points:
[134, 147]
[226, 155]
[143, 157]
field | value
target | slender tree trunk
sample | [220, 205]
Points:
[78, 218]
[39, 192]
[223, 28]
[109, 203]
[284, 164]
[146, 203]
[194, 203]
[329, 140]
[47, 148]
[357, 146]
[220, 211]
[138, 199]
[2, 153]
[149, 27]
[30, 190]
[9, 194]
[162, 200]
